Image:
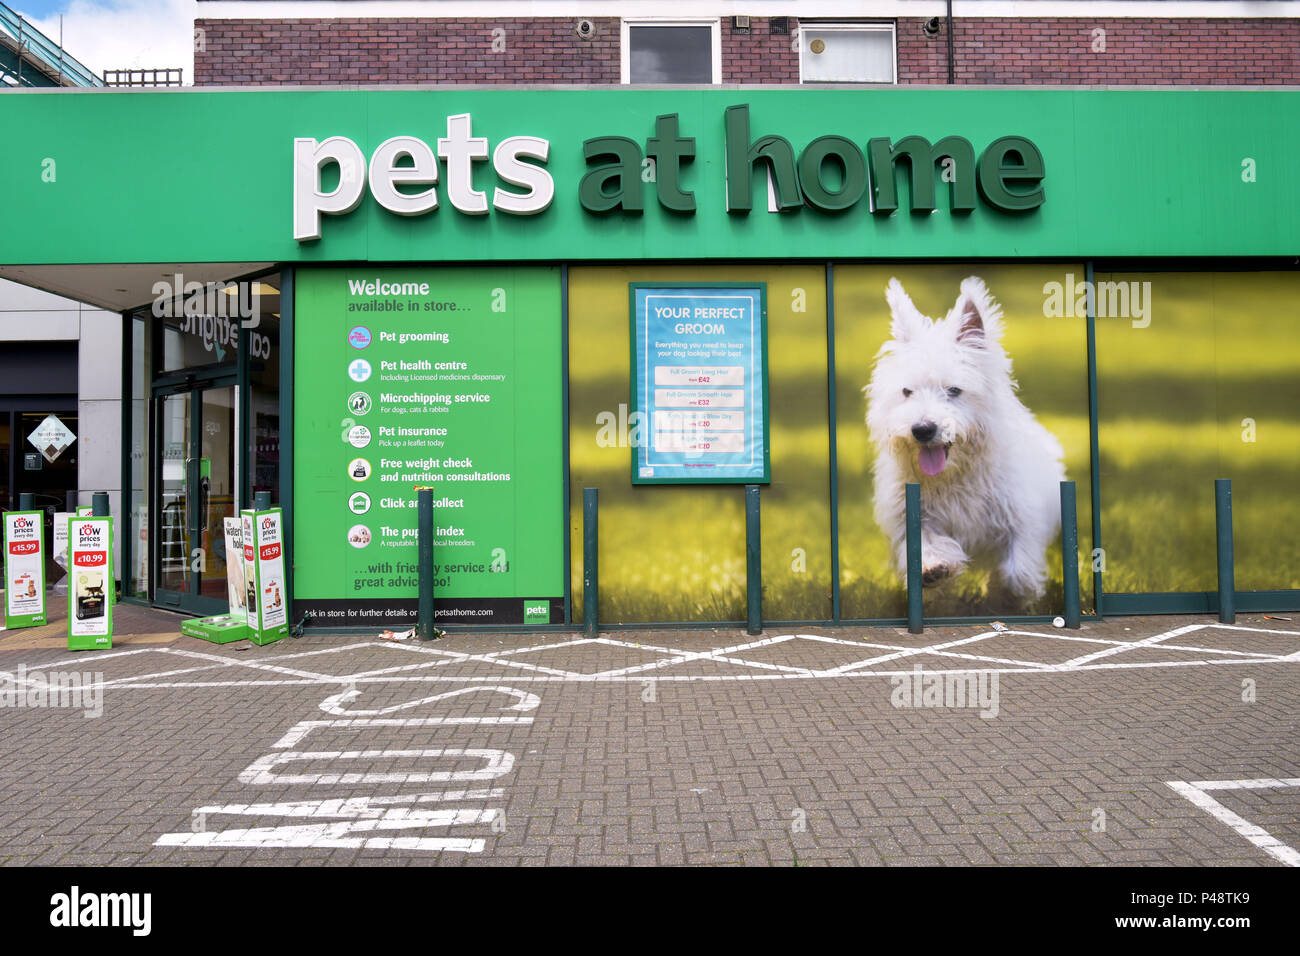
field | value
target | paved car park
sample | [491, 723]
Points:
[1131, 741]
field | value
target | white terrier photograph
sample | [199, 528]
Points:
[942, 410]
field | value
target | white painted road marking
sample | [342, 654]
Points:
[522, 671]
[1196, 792]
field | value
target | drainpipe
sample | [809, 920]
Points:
[952, 73]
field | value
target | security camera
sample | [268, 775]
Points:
[585, 29]
[931, 27]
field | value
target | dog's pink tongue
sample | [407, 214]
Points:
[933, 459]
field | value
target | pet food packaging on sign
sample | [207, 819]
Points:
[24, 543]
[90, 583]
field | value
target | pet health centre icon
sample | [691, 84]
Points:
[359, 337]
[359, 403]
[359, 370]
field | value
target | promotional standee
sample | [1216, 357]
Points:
[266, 601]
[90, 586]
[24, 569]
[232, 626]
[61, 534]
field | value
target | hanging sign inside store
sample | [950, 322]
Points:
[90, 584]
[24, 569]
[51, 438]
[699, 383]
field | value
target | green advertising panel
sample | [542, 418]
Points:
[447, 379]
[24, 563]
[90, 583]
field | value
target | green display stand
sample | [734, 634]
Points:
[90, 583]
[221, 629]
[24, 565]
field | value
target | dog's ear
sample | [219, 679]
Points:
[907, 319]
[976, 315]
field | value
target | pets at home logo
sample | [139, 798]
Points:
[537, 612]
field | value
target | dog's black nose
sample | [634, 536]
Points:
[925, 432]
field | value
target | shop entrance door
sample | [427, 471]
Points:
[195, 469]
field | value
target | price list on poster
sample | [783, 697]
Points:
[700, 384]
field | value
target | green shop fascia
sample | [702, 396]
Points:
[333, 298]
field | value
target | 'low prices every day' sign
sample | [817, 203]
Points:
[90, 583]
[24, 569]
[700, 383]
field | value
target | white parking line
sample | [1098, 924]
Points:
[1196, 792]
[522, 663]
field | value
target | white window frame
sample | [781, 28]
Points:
[856, 26]
[625, 41]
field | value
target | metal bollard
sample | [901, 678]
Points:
[915, 611]
[262, 501]
[26, 501]
[99, 504]
[1223, 527]
[1070, 553]
[590, 560]
[753, 560]
[424, 627]
[70, 502]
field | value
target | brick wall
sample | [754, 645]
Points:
[536, 50]
[1137, 52]
[759, 56]
[347, 51]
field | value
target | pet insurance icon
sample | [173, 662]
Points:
[942, 411]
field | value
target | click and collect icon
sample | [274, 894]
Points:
[359, 503]
[359, 370]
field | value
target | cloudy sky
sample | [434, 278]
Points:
[119, 34]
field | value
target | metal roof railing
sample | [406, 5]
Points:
[29, 48]
[163, 76]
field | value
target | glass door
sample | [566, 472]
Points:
[196, 469]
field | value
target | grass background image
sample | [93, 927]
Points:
[677, 552]
[1172, 397]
